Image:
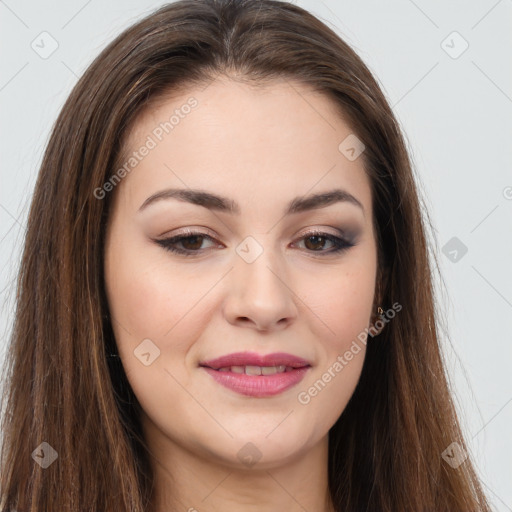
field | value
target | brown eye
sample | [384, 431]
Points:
[192, 243]
[317, 242]
[186, 245]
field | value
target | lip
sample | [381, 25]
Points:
[254, 359]
[257, 386]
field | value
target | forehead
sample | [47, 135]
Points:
[270, 142]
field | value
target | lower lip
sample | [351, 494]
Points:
[258, 386]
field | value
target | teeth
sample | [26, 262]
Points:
[253, 370]
[270, 370]
[257, 370]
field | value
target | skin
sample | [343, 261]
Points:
[261, 148]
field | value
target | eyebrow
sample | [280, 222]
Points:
[226, 205]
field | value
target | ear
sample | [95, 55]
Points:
[381, 283]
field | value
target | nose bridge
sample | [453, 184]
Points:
[258, 288]
[257, 264]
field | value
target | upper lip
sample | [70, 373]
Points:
[254, 359]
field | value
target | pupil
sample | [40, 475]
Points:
[318, 245]
[187, 242]
[195, 242]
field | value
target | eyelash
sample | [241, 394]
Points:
[340, 244]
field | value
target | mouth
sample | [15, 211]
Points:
[253, 360]
[254, 375]
[256, 370]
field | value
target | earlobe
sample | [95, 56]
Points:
[377, 322]
[378, 319]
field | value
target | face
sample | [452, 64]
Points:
[264, 269]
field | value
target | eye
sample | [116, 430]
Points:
[316, 240]
[190, 243]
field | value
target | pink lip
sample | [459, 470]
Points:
[253, 359]
[258, 386]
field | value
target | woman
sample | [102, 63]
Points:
[292, 362]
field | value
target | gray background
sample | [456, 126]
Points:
[456, 112]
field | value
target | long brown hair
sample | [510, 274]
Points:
[60, 386]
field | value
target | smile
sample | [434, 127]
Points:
[255, 375]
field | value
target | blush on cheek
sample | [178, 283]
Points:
[134, 298]
[345, 309]
[156, 302]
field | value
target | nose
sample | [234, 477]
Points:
[259, 294]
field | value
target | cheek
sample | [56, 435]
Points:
[326, 394]
[347, 306]
[344, 304]
[149, 297]
[150, 300]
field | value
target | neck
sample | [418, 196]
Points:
[192, 482]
